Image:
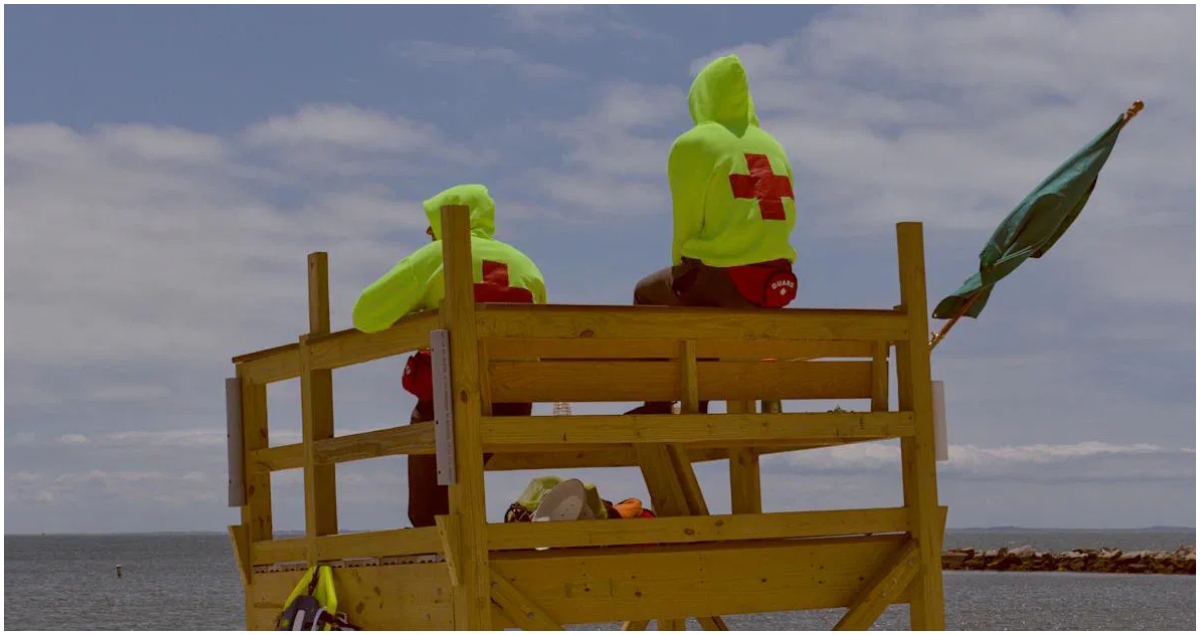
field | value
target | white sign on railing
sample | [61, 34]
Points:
[234, 441]
[941, 444]
[443, 407]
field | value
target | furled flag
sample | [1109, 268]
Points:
[1034, 226]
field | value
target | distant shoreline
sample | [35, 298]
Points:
[1181, 561]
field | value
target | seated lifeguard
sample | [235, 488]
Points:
[733, 205]
[502, 274]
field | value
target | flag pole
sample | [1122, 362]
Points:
[954, 320]
[1130, 113]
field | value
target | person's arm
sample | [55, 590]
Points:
[398, 292]
[688, 169]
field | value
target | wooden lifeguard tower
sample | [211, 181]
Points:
[468, 574]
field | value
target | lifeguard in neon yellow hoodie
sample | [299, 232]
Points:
[733, 203]
[502, 274]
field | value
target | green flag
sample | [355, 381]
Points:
[1036, 224]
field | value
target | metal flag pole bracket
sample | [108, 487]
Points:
[443, 407]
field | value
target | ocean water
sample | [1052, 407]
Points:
[190, 582]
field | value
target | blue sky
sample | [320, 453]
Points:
[168, 168]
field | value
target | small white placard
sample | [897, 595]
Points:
[940, 444]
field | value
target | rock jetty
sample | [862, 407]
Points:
[1182, 561]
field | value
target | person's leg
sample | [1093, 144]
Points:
[656, 289]
[426, 499]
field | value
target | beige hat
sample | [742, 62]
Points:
[567, 501]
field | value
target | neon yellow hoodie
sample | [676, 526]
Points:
[731, 182]
[416, 283]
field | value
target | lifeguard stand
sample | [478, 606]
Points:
[468, 574]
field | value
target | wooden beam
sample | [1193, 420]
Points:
[675, 323]
[340, 349]
[745, 483]
[256, 513]
[635, 625]
[321, 395]
[472, 598]
[696, 529]
[638, 583]
[917, 452]
[239, 537]
[366, 544]
[534, 348]
[523, 612]
[597, 381]
[879, 378]
[734, 429]
[884, 589]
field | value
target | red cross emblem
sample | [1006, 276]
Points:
[763, 184]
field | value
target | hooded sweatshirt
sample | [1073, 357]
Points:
[731, 182]
[416, 282]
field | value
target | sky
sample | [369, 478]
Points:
[168, 168]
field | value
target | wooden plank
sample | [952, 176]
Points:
[917, 452]
[407, 597]
[640, 583]
[635, 625]
[674, 323]
[367, 544]
[542, 382]
[745, 484]
[730, 429]
[882, 590]
[448, 536]
[666, 492]
[689, 387]
[715, 623]
[524, 613]
[416, 438]
[239, 538]
[256, 514]
[671, 624]
[272, 365]
[321, 393]
[879, 377]
[340, 349]
[694, 529]
[535, 348]
[348, 348]
[472, 598]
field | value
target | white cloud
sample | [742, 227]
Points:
[440, 53]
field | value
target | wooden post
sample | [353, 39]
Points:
[316, 409]
[256, 513]
[321, 382]
[745, 482]
[472, 596]
[917, 452]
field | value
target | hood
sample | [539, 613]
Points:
[476, 197]
[721, 93]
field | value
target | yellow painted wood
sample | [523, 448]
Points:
[367, 544]
[690, 386]
[535, 348]
[745, 487]
[635, 625]
[256, 513]
[391, 598]
[643, 583]
[674, 323]
[340, 349]
[447, 534]
[917, 452]
[883, 589]
[321, 394]
[693, 529]
[472, 603]
[879, 377]
[671, 624]
[239, 538]
[731, 430]
[582, 381]
[715, 623]
[523, 612]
